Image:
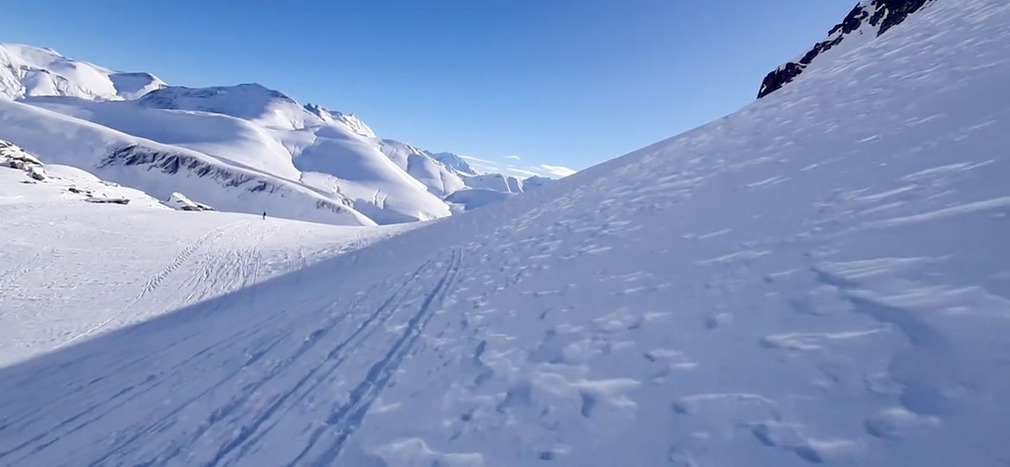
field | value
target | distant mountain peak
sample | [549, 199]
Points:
[455, 162]
[350, 120]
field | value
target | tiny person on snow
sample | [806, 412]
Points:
[264, 215]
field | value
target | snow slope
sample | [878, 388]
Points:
[161, 169]
[33, 71]
[784, 286]
[264, 130]
[440, 179]
[104, 266]
[473, 198]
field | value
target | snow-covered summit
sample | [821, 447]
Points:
[349, 120]
[249, 101]
[455, 162]
[868, 20]
[33, 71]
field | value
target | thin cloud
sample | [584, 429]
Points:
[515, 158]
[557, 170]
[471, 158]
[528, 173]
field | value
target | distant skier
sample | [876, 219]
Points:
[264, 215]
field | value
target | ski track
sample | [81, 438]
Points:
[10, 279]
[254, 416]
[345, 419]
[156, 281]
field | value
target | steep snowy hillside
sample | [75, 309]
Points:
[161, 169]
[66, 183]
[32, 71]
[473, 198]
[535, 181]
[264, 130]
[440, 179]
[819, 278]
[455, 163]
[246, 101]
[348, 120]
[869, 19]
[235, 140]
[494, 182]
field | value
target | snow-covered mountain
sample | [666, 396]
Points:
[868, 20]
[333, 158]
[32, 71]
[162, 169]
[784, 286]
[440, 180]
[455, 162]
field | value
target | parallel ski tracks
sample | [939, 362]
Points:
[240, 423]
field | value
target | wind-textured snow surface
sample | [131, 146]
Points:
[821, 277]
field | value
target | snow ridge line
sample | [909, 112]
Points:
[157, 279]
[346, 418]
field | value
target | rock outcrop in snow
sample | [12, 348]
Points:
[77, 183]
[16, 158]
[869, 19]
[181, 202]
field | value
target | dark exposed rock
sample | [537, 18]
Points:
[174, 163]
[103, 200]
[879, 15]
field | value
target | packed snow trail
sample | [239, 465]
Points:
[70, 270]
[821, 277]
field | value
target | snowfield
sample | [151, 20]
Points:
[821, 277]
[87, 260]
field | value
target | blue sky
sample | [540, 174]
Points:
[566, 83]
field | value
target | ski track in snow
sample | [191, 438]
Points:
[234, 412]
[819, 278]
[156, 281]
